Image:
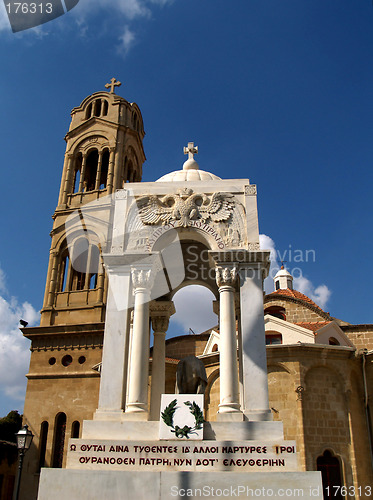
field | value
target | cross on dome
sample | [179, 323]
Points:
[190, 150]
[114, 83]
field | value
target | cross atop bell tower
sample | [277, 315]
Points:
[113, 83]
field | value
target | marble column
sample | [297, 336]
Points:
[142, 280]
[229, 393]
[254, 358]
[115, 350]
[160, 312]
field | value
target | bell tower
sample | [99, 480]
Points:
[104, 151]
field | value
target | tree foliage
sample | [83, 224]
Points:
[9, 426]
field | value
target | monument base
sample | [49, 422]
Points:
[219, 431]
[60, 484]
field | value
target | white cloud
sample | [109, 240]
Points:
[126, 40]
[267, 243]
[193, 310]
[14, 348]
[319, 294]
[112, 14]
[130, 9]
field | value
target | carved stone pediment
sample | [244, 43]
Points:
[185, 206]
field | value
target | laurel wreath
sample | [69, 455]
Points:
[183, 432]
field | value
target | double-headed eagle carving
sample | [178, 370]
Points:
[185, 206]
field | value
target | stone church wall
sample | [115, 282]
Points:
[360, 335]
[186, 345]
[296, 312]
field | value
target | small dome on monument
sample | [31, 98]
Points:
[191, 170]
[190, 164]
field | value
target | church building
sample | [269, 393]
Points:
[319, 368]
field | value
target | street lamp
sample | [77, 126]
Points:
[24, 439]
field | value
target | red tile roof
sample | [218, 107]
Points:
[312, 325]
[294, 294]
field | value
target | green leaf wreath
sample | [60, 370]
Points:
[183, 432]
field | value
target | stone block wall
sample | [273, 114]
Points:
[360, 335]
[186, 345]
[296, 312]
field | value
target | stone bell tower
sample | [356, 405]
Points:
[104, 151]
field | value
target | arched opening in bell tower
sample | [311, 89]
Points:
[91, 170]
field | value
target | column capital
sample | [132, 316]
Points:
[247, 259]
[160, 324]
[142, 278]
[226, 275]
[162, 308]
[160, 313]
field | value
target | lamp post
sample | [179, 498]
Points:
[24, 438]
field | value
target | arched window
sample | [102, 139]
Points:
[129, 172]
[75, 429]
[105, 108]
[43, 443]
[79, 263]
[77, 173]
[333, 341]
[91, 170]
[64, 272]
[276, 311]
[104, 169]
[330, 469]
[93, 266]
[135, 177]
[79, 269]
[273, 339]
[59, 440]
[215, 348]
[88, 113]
[97, 108]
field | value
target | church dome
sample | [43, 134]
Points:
[190, 171]
[283, 280]
[283, 272]
[188, 175]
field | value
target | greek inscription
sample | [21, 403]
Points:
[285, 449]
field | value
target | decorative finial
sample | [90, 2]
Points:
[282, 264]
[191, 150]
[114, 83]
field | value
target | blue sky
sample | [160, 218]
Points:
[280, 92]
